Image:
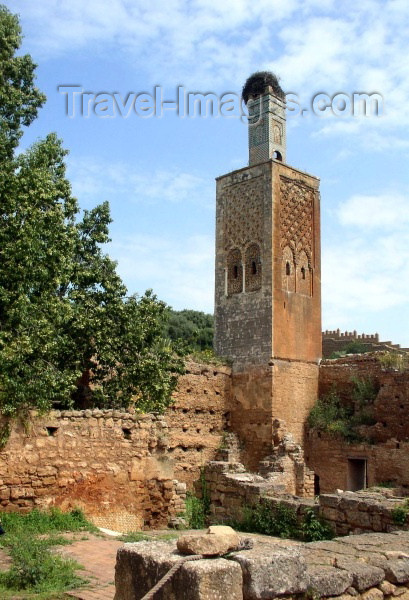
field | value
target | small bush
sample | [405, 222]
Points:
[329, 414]
[281, 520]
[394, 360]
[364, 391]
[314, 529]
[400, 514]
[208, 357]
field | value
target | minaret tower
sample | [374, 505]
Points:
[267, 279]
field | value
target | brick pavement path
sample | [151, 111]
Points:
[98, 556]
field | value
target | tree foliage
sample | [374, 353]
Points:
[65, 316]
[194, 329]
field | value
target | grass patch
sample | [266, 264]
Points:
[36, 571]
[208, 357]
[139, 536]
[38, 522]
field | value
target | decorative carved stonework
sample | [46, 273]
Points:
[243, 214]
[296, 217]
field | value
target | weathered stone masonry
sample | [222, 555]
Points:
[386, 458]
[125, 470]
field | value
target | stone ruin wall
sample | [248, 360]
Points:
[129, 471]
[198, 418]
[126, 471]
[387, 455]
[336, 341]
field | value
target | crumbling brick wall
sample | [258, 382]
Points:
[126, 470]
[387, 454]
[198, 418]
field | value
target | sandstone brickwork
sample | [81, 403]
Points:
[387, 454]
[126, 470]
[198, 418]
[361, 512]
[113, 465]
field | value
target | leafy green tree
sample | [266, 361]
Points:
[65, 318]
[191, 327]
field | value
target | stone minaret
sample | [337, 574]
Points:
[267, 284]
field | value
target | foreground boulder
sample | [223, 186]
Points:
[218, 540]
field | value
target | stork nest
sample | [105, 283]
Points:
[257, 84]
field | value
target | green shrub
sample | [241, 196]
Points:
[364, 391]
[400, 513]
[195, 513]
[394, 360]
[278, 520]
[314, 529]
[281, 520]
[328, 413]
[198, 509]
[332, 415]
[208, 357]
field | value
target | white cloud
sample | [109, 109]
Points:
[181, 272]
[386, 211]
[365, 270]
[92, 179]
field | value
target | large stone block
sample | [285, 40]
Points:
[327, 581]
[140, 566]
[268, 573]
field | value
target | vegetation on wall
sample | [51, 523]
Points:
[198, 507]
[281, 520]
[335, 416]
[352, 347]
[395, 361]
[67, 324]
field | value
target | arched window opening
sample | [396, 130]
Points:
[304, 282]
[234, 272]
[277, 155]
[253, 268]
[288, 270]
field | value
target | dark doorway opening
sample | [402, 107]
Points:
[357, 474]
[316, 485]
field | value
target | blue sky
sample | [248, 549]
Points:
[158, 172]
